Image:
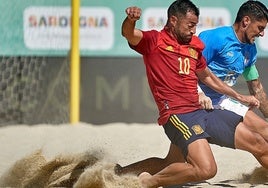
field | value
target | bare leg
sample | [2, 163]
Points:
[257, 124]
[248, 140]
[201, 166]
[152, 165]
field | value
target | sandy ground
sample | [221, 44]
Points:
[48, 155]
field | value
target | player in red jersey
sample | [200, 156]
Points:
[174, 63]
[171, 72]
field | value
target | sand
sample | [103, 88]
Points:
[84, 155]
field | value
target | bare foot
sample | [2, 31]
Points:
[146, 181]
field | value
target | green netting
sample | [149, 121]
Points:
[33, 90]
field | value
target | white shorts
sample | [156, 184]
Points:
[234, 106]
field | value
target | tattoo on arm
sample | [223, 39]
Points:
[255, 88]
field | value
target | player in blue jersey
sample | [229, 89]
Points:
[233, 54]
[230, 52]
[228, 57]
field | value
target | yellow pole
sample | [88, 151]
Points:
[75, 64]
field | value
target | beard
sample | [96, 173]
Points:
[183, 39]
[247, 39]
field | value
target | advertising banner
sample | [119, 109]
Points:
[43, 27]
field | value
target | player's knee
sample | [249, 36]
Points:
[207, 172]
[260, 146]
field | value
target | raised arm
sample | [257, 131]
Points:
[129, 31]
[208, 78]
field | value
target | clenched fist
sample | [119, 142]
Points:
[133, 13]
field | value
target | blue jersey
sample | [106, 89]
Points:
[226, 57]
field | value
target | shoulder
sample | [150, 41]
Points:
[197, 43]
[147, 43]
[151, 32]
[149, 35]
[219, 32]
[218, 37]
[216, 30]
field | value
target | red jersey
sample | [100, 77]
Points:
[171, 72]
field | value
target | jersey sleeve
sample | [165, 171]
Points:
[199, 46]
[212, 47]
[147, 43]
[252, 53]
[251, 72]
[201, 63]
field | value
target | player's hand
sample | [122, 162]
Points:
[205, 101]
[251, 101]
[133, 13]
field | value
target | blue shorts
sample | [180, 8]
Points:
[217, 126]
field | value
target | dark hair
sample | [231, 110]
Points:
[181, 7]
[254, 9]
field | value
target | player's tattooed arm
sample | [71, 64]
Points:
[255, 88]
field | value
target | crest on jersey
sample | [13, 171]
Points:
[193, 53]
[230, 54]
[197, 129]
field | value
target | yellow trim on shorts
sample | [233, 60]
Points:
[181, 126]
